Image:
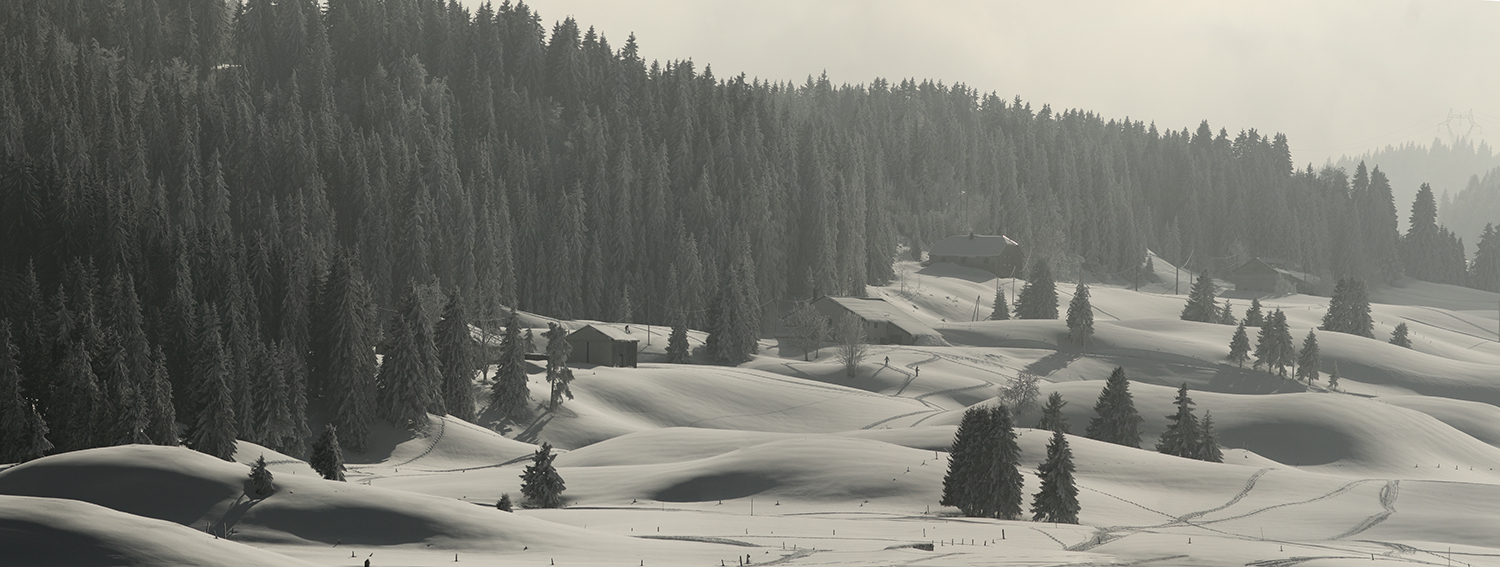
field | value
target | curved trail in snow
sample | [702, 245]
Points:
[1249, 485]
[1388, 495]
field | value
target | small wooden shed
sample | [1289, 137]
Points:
[1265, 275]
[602, 345]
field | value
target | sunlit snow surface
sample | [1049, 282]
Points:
[789, 461]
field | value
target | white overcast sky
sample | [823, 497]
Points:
[1337, 76]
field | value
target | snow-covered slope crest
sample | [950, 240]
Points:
[212, 496]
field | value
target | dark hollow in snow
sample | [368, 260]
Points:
[724, 486]
[1296, 444]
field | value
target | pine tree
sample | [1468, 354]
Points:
[327, 457]
[1181, 437]
[558, 373]
[1080, 317]
[1001, 311]
[1057, 501]
[678, 349]
[1002, 483]
[260, 478]
[23, 433]
[540, 483]
[1308, 362]
[1053, 418]
[965, 462]
[457, 358]
[1401, 337]
[1116, 420]
[1038, 298]
[1253, 316]
[1201, 306]
[1208, 444]
[1239, 346]
[1226, 316]
[509, 394]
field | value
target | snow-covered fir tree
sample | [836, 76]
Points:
[1208, 442]
[678, 348]
[1115, 418]
[1181, 436]
[1080, 317]
[1000, 311]
[1057, 500]
[23, 433]
[1226, 315]
[504, 504]
[1253, 316]
[1053, 418]
[261, 478]
[327, 457]
[1401, 336]
[1349, 309]
[458, 358]
[509, 394]
[1038, 298]
[558, 373]
[343, 337]
[1201, 305]
[540, 484]
[965, 461]
[1239, 346]
[1333, 377]
[1309, 361]
[408, 382]
[213, 429]
[1002, 484]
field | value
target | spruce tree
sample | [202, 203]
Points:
[1001, 310]
[1181, 436]
[1333, 377]
[1208, 444]
[404, 391]
[163, 428]
[1116, 420]
[214, 431]
[1201, 306]
[1003, 483]
[1053, 418]
[327, 457]
[1080, 317]
[23, 433]
[964, 461]
[458, 358]
[1057, 501]
[1349, 309]
[1239, 346]
[509, 393]
[540, 483]
[558, 373]
[1038, 298]
[504, 504]
[343, 354]
[260, 478]
[1283, 353]
[1401, 337]
[1309, 361]
[678, 349]
[1253, 316]
[1226, 316]
[272, 406]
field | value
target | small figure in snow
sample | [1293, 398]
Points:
[887, 362]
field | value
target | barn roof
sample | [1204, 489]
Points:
[1268, 266]
[602, 332]
[878, 309]
[972, 245]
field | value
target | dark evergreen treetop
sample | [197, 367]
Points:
[1400, 336]
[1080, 317]
[1181, 436]
[1057, 500]
[1053, 418]
[458, 358]
[540, 483]
[327, 457]
[1201, 306]
[1038, 298]
[1349, 309]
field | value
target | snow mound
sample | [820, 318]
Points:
[51, 531]
[207, 494]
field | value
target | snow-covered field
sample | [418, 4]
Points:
[789, 462]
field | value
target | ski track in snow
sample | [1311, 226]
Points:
[1388, 495]
[1249, 485]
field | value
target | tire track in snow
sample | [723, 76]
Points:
[1249, 484]
[1388, 495]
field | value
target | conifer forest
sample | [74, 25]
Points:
[214, 212]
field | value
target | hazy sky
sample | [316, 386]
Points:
[1337, 76]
